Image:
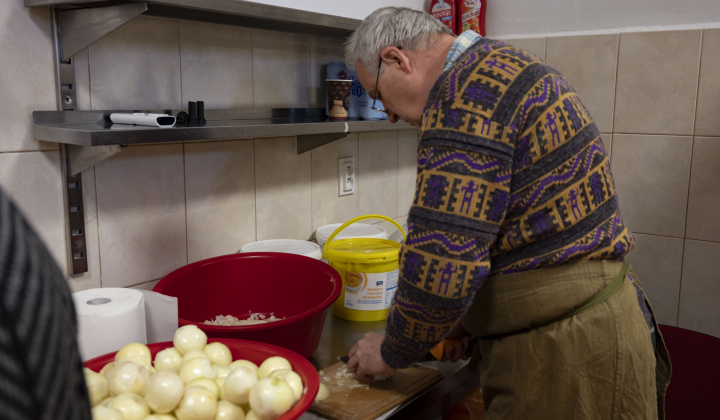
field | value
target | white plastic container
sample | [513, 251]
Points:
[356, 230]
[288, 246]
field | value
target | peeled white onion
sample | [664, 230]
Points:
[323, 392]
[236, 387]
[221, 371]
[272, 363]
[189, 337]
[197, 368]
[218, 353]
[135, 352]
[128, 377]
[251, 415]
[168, 359]
[192, 354]
[107, 369]
[132, 406]
[197, 403]
[242, 362]
[100, 412]
[292, 379]
[207, 383]
[271, 397]
[97, 386]
[229, 411]
[159, 417]
[164, 391]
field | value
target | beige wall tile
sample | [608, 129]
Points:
[327, 206]
[534, 45]
[282, 190]
[137, 66]
[658, 262]
[652, 175]
[589, 63]
[141, 214]
[700, 292]
[216, 65]
[281, 70]
[407, 170]
[220, 197]
[607, 142]
[707, 122]
[324, 50]
[704, 199]
[146, 286]
[27, 74]
[34, 183]
[657, 82]
[378, 173]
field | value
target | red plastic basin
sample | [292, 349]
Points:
[254, 352]
[297, 288]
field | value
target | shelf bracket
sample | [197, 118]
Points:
[307, 142]
[74, 218]
[81, 27]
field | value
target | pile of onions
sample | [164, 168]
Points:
[193, 380]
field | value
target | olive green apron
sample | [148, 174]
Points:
[567, 342]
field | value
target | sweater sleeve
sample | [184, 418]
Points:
[460, 203]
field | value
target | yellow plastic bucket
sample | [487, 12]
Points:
[369, 271]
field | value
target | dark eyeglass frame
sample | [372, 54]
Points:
[376, 83]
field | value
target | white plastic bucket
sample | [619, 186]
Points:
[357, 230]
[288, 246]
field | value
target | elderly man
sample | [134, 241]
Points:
[515, 234]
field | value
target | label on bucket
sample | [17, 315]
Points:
[370, 291]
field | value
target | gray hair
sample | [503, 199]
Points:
[391, 26]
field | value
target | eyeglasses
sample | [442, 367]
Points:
[375, 96]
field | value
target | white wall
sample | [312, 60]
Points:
[526, 18]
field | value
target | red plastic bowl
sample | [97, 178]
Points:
[297, 288]
[254, 352]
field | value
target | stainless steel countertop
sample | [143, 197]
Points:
[339, 336]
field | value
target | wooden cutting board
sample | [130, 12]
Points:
[353, 400]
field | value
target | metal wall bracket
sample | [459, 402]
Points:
[72, 183]
[82, 27]
[74, 217]
[307, 142]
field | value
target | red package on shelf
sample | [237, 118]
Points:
[446, 12]
[471, 16]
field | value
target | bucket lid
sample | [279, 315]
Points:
[356, 230]
[362, 250]
[288, 246]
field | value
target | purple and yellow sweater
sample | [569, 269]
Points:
[512, 176]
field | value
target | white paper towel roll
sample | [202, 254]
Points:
[108, 319]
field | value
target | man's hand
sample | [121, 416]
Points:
[365, 359]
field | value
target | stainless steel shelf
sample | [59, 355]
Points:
[82, 22]
[310, 125]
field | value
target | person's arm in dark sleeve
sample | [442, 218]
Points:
[41, 373]
[460, 204]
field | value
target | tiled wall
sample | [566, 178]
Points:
[656, 98]
[153, 208]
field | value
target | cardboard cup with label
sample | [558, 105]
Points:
[338, 91]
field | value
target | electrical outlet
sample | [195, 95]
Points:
[346, 176]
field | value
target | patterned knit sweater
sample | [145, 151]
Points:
[512, 176]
